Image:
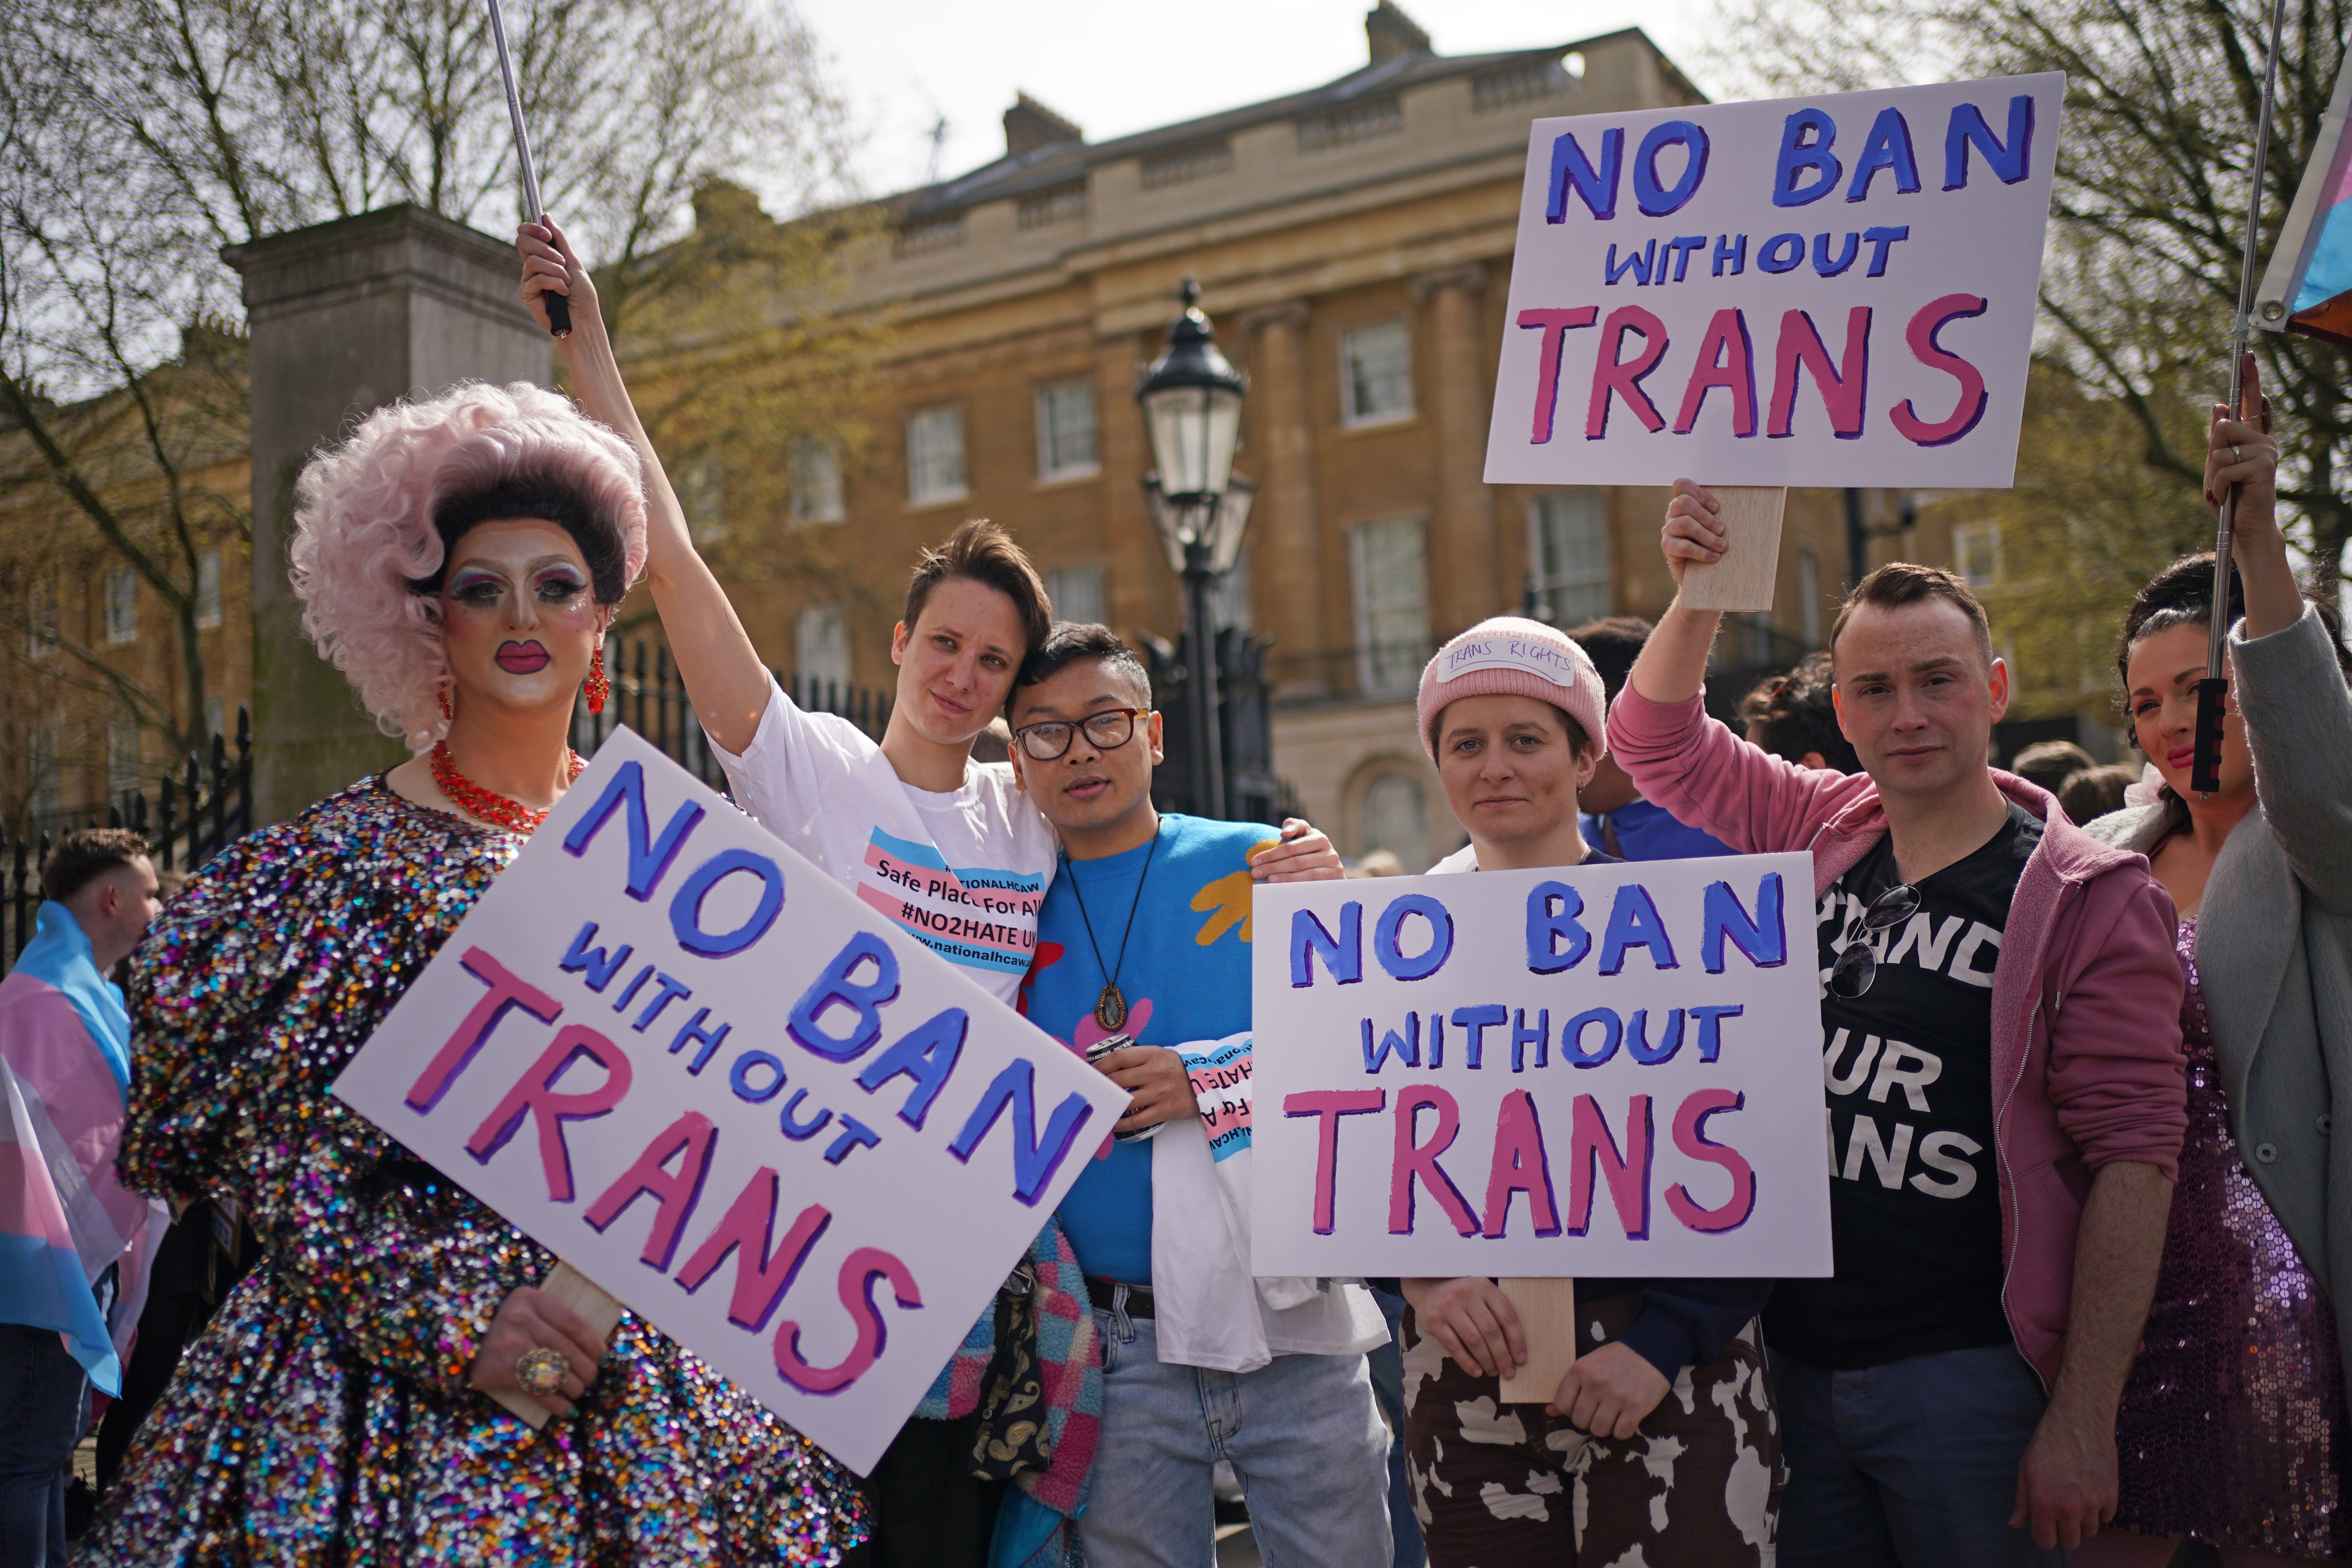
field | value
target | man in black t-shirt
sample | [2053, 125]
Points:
[2001, 1053]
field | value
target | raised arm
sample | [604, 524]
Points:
[1673, 665]
[724, 678]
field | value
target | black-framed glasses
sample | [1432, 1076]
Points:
[1106, 732]
[1857, 966]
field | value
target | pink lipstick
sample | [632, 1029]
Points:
[522, 658]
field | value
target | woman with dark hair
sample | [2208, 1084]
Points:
[460, 559]
[2232, 1428]
[1794, 717]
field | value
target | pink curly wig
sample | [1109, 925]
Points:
[363, 527]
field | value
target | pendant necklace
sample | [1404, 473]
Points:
[1110, 1007]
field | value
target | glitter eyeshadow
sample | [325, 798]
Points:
[2233, 1426]
[324, 1415]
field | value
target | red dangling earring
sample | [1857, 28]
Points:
[596, 687]
[447, 710]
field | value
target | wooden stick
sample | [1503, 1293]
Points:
[599, 1310]
[1547, 1310]
[1743, 579]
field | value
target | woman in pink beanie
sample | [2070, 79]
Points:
[1661, 1443]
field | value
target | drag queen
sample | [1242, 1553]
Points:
[459, 560]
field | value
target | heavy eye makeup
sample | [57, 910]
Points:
[558, 585]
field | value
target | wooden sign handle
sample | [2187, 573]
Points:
[599, 1310]
[1744, 578]
[1547, 1310]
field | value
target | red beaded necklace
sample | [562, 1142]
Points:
[485, 804]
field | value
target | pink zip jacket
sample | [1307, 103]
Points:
[2086, 1061]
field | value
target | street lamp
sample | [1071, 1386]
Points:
[1191, 398]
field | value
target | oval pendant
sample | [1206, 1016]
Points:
[1110, 1008]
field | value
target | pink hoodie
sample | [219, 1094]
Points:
[2086, 1061]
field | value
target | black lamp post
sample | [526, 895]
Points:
[1191, 398]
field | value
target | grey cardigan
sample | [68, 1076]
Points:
[2274, 943]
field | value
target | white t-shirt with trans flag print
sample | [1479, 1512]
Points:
[964, 872]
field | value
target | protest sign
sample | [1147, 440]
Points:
[1609, 1070]
[760, 1115]
[1837, 290]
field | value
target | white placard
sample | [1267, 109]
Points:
[1829, 290]
[1605, 1070]
[769, 1122]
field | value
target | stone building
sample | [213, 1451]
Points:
[1353, 243]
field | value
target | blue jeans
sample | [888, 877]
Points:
[1387, 1365]
[1909, 1465]
[1301, 1431]
[42, 1397]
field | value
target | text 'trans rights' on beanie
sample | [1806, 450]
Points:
[1513, 655]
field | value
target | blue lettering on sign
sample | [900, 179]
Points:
[1388, 936]
[1654, 199]
[1572, 1037]
[1405, 1047]
[1879, 239]
[1478, 1020]
[1887, 147]
[686, 909]
[1800, 156]
[1637, 262]
[835, 988]
[1781, 253]
[1547, 925]
[1035, 1158]
[926, 1054]
[1969, 129]
[1764, 937]
[1343, 955]
[579, 958]
[649, 857]
[1710, 1029]
[1571, 170]
[1634, 921]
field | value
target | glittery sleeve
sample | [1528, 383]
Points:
[266, 974]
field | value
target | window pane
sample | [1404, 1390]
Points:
[41, 618]
[216, 718]
[1396, 818]
[821, 651]
[1376, 364]
[1976, 546]
[1392, 603]
[121, 755]
[816, 483]
[208, 589]
[41, 761]
[1065, 429]
[1077, 593]
[1568, 555]
[122, 605]
[935, 456]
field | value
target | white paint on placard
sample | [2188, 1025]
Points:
[1837, 290]
[1601, 1071]
[766, 1119]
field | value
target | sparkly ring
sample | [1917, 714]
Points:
[2233, 454]
[540, 1371]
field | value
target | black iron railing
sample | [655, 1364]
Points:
[649, 696]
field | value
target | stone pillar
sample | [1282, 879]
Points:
[1289, 558]
[1465, 582]
[347, 316]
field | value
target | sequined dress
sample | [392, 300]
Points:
[324, 1416]
[2232, 1427]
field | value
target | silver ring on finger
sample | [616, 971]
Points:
[2233, 453]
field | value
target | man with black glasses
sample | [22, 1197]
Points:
[2000, 1020]
[1145, 934]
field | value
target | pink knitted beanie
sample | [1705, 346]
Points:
[1524, 657]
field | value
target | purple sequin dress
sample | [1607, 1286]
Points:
[2232, 1428]
[324, 1416]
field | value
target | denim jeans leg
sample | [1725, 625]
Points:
[1312, 1453]
[1953, 1427]
[42, 1397]
[1387, 1365]
[1829, 1514]
[1150, 1505]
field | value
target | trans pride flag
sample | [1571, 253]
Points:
[2308, 288]
[65, 1215]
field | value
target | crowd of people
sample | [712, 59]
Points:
[2079, 1055]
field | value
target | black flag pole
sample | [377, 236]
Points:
[2205, 765]
[558, 308]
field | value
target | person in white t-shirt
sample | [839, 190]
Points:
[948, 848]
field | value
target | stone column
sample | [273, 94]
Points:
[1290, 566]
[347, 316]
[1465, 582]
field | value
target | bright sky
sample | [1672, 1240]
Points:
[1123, 65]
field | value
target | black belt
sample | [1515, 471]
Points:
[1101, 1292]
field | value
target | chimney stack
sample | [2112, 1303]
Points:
[1393, 34]
[1029, 125]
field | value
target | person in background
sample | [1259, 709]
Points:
[75, 1243]
[2051, 763]
[1794, 717]
[1662, 1430]
[1145, 933]
[2089, 794]
[2001, 1049]
[993, 744]
[2232, 1426]
[1616, 819]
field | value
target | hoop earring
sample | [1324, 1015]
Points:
[596, 687]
